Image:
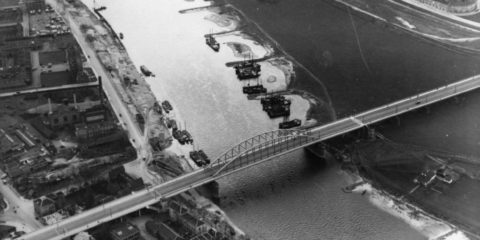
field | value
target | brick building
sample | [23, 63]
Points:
[44, 206]
[61, 117]
[125, 231]
[87, 131]
[35, 4]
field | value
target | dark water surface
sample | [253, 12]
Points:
[321, 36]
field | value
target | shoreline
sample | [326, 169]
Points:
[139, 101]
[413, 215]
[430, 39]
[321, 110]
[396, 200]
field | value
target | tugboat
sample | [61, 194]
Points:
[290, 124]
[167, 106]
[212, 42]
[146, 72]
[200, 158]
[204, 156]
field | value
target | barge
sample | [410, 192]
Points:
[257, 89]
[146, 71]
[290, 124]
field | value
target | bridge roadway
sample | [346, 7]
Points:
[271, 147]
[50, 89]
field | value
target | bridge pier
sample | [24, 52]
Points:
[397, 118]
[211, 191]
[318, 150]
[371, 134]
[457, 99]
[427, 109]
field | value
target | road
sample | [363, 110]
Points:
[118, 105]
[49, 89]
[20, 211]
[256, 155]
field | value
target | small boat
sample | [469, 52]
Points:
[146, 72]
[210, 40]
[167, 106]
[290, 124]
[121, 36]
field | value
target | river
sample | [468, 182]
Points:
[296, 196]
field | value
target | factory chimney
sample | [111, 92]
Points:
[49, 106]
[75, 101]
[100, 89]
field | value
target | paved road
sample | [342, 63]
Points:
[49, 89]
[118, 105]
[262, 153]
[20, 210]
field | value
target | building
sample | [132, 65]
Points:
[49, 78]
[453, 6]
[87, 131]
[54, 217]
[95, 114]
[9, 143]
[425, 178]
[192, 223]
[11, 31]
[83, 236]
[10, 16]
[15, 65]
[9, 3]
[61, 117]
[175, 210]
[86, 75]
[125, 231]
[161, 231]
[35, 4]
[44, 206]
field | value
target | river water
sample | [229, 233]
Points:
[295, 197]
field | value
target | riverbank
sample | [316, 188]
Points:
[207, 94]
[136, 92]
[436, 207]
[291, 75]
[329, 38]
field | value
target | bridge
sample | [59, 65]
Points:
[248, 153]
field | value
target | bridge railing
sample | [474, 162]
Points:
[419, 100]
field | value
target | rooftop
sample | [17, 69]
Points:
[123, 230]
